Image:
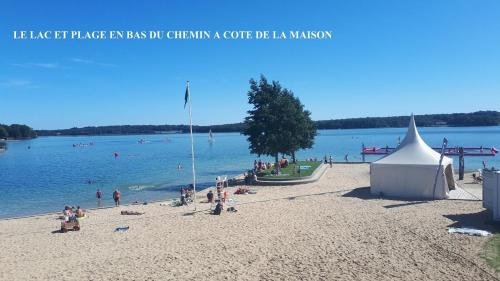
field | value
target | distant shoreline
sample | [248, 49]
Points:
[474, 119]
[194, 132]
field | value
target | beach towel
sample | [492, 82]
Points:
[122, 228]
[469, 231]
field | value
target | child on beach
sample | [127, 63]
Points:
[224, 198]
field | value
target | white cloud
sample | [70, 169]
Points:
[81, 60]
[41, 65]
[16, 83]
[85, 61]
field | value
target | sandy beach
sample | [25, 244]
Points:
[332, 229]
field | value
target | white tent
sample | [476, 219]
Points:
[410, 171]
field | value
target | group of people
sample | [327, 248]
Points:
[329, 160]
[250, 177]
[117, 195]
[69, 214]
[261, 165]
[222, 196]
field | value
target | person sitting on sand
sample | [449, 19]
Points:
[68, 214]
[183, 197]
[218, 209]
[254, 178]
[477, 179]
[80, 212]
[189, 194]
[210, 197]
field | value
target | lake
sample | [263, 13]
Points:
[53, 173]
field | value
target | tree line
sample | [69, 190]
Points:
[16, 131]
[480, 118]
[141, 129]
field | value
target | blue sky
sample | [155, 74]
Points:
[386, 58]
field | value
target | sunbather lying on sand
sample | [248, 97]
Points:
[242, 190]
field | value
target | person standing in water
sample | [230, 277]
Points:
[116, 196]
[98, 194]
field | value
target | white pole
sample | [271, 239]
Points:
[192, 145]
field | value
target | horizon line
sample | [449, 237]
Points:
[241, 122]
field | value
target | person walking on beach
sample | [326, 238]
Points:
[331, 161]
[116, 196]
[210, 197]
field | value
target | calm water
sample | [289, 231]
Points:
[53, 173]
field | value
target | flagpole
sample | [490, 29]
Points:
[192, 145]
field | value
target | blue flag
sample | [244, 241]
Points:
[186, 96]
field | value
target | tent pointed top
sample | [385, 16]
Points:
[412, 150]
[412, 134]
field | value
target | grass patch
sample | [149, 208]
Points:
[292, 171]
[492, 252]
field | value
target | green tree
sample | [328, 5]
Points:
[303, 129]
[17, 131]
[3, 132]
[277, 123]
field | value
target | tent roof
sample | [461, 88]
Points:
[412, 150]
